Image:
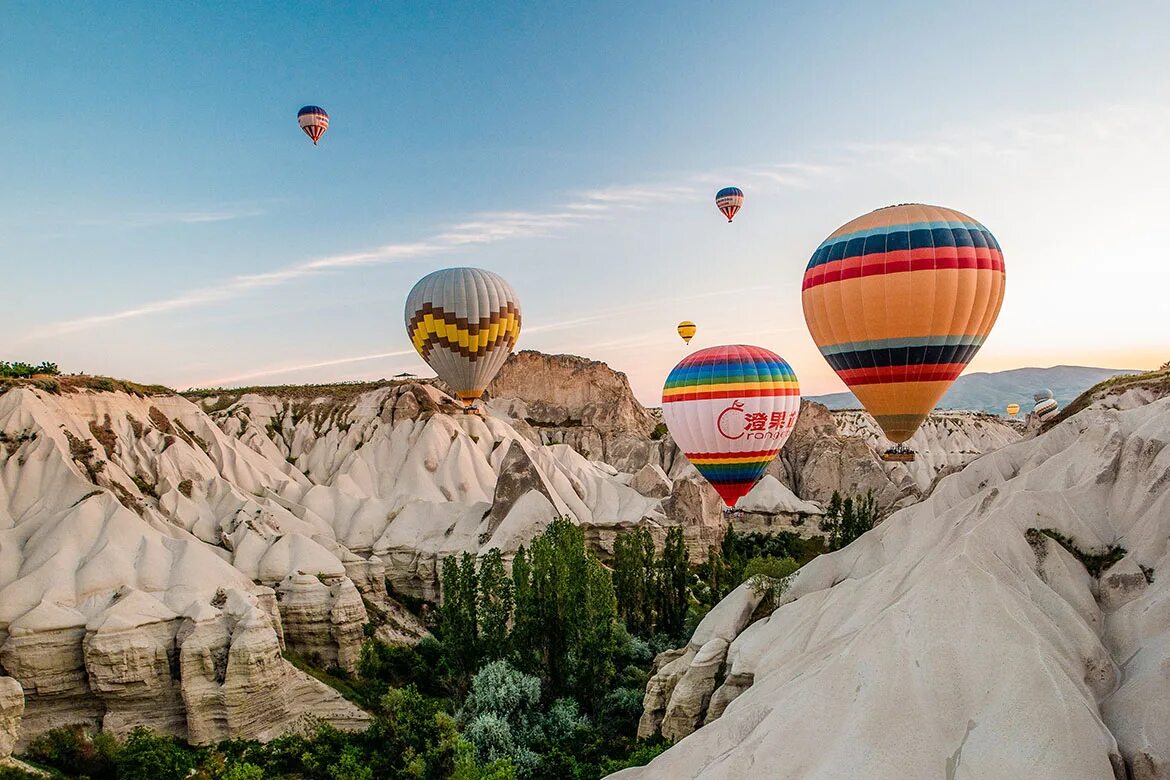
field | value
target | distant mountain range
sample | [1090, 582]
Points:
[992, 392]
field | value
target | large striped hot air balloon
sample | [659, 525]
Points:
[730, 410]
[686, 330]
[314, 121]
[729, 200]
[464, 322]
[899, 301]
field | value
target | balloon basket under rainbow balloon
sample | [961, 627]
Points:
[899, 454]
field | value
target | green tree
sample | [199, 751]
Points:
[147, 756]
[594, 640]
[635, 580]
[846, 520]
[769, 578]
[526, 628]
[458, 624]
[77, 753]
[495, 606]
[673, 576]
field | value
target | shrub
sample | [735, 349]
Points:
[148, 756]
[75, 752]
[769, 578]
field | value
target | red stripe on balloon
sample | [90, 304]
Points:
[941, 372]
[705, 395]
[905, 260]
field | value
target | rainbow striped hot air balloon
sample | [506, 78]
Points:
[730, 409]
[314, 121]
[464, 322]
[899, 301]
[686, 330]
[729, 200]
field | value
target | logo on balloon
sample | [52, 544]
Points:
[736, 423]
[732, 419]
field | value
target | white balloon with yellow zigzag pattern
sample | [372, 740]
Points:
[464, 322]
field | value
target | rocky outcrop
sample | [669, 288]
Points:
[770, 507]
[322, 619]
[11, 708]
[694, 505]
[840, 452]
[930, 604]
[566, 399]
[651, 481]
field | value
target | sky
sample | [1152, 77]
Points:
[163, 219]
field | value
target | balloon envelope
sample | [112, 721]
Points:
[464, 322]
[729, 200]
[686, 330]
[314, 121]
[1013, 409]
[730, 409]
[898, 301]
[1046, 409]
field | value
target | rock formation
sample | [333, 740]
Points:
[11, 708]
[972, 635]
[159, 553]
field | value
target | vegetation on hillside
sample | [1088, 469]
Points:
[341, 390]
[48, 377]
[18, 370]
[1159, 380]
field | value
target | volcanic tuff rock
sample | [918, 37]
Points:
[11, 708]
[571, 400]
[957, 639]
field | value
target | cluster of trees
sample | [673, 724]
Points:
[653, 592]
[740, 557]
[18, 370]
[847, 519]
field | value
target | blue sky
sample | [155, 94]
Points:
[165, 220]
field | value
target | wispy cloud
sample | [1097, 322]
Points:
[598, 316]
[484, 228]
[152, 219]
[296, 367]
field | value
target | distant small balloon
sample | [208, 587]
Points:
[686, 330]
[1013, 409]
[729, 200]
[1046, 409]
[314, 121]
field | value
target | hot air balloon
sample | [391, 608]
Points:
[730, 410]
[1046, 406]
[314, 121]
[729, 200]
[464, 322]
[899, 301]
[686, 330]
[1013, 410]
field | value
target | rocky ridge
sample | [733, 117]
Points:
[983, 607]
